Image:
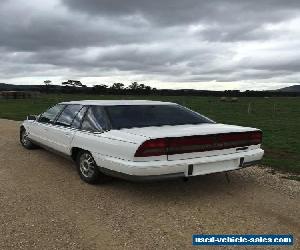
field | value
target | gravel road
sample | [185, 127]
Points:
[45, 205]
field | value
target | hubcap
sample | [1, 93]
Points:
[87, 165]
[25, 138]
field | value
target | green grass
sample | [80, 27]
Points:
[278, 118]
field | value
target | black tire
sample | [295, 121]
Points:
[24, 140]
[88, 169]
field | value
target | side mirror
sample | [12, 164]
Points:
[31, 117]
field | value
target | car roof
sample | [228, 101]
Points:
[117, 102]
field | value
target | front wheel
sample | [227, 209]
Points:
[88, 169]
[25, 142]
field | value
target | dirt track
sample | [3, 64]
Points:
[44, 205]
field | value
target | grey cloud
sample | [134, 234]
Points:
[64, 33]
[169, 41]
[233, 20]
[178, 11]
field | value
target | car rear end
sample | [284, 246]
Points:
[169, 141]
[188, 155]
[201, 154]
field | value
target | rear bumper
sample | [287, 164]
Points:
[161, 170]
[141, 178]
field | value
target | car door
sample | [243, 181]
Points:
[39, 130]
[60, 134]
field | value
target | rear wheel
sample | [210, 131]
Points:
[25, 141]
[88, 169]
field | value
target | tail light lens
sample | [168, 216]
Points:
[180, 145]
[233, 140]
[190, 144]
[153, 147]
[255, 137]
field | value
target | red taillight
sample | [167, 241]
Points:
[255, 137]
[233, 140]
[189, 144]
[153, 147]
[233, 137]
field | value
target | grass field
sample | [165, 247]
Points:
[278, 118]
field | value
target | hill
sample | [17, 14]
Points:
[14, 87]
[294, 88]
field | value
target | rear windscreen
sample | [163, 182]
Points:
[136, 116]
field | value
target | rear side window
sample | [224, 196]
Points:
[78, 118]
[95, 120]
[67, 116]
[50, 115]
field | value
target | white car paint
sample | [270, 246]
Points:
[114, 150]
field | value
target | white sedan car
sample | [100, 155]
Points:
[140, 140]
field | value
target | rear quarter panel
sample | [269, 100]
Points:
[105, 145]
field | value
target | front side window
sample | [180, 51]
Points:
[67, 116]
[50, 115]
[95, 120]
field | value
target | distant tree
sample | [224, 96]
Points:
[117, 86]
[74, 86]
[142, 86]
[133, 86]
[102, 88]
[47, 85]
[73, 83]
[47, 82]
[139, 88]
[78, 84]
[148, 89]
[68, 83]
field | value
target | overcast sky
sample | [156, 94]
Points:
[199, 44]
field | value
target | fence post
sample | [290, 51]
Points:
[249, 107]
